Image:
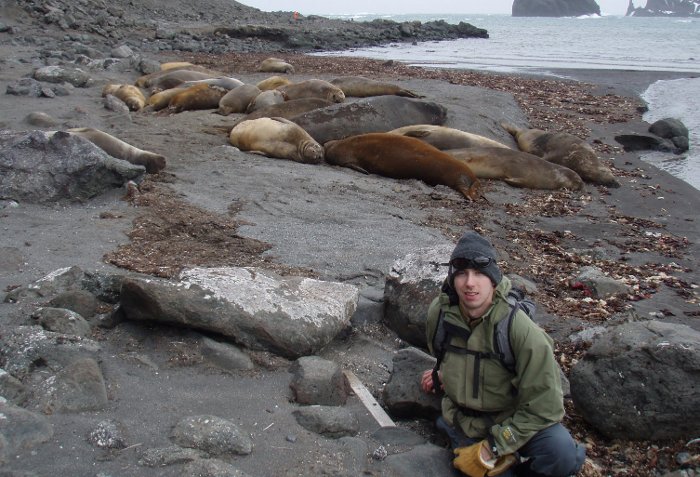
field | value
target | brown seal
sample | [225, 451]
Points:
[366, 115]
[276, 137]
[201, 96]
[275, 65]
[564, 149]
[272, 82]
[131, 95]
[238, 99]
[361, 87]
[401, 157]
[313, 88]
[446, 138]
[517, 168]
[153, 162]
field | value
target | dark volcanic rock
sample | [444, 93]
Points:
[554, 8]
[665, 8]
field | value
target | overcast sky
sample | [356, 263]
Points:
[328, 7]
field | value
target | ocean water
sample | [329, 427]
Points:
[542, 45]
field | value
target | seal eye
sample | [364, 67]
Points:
[475, 263]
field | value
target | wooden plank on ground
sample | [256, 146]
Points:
[368, 400]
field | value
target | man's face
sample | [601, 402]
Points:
[475, 291]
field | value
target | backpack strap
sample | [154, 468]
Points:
[501, 336]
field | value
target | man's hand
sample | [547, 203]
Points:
[477, 460]
[426, 382]
[474, 460]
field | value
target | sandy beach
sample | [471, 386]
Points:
[337, 224]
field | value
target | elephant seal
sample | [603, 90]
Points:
[564, 149]
[169, 65]
[226, 82]
[446, 138]
[286, 109]
[375, 114]
[272, 82]
[153, 162]
[361, 87]
[201, 96]
[276, 137]
[313, 88]
[517, 168]
[131, 95]
[162, 99]
[176, 77]
[146, 81]
[264, 99]
[401, 157]
[275, 65]
[238, 99]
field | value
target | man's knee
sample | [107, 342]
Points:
[553, 452]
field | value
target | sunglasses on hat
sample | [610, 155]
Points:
[473, 263]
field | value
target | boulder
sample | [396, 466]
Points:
[21, 429]
[554, 8]
[44, 167]
[213, 435]
[411, 285]
[672, 129]
[318, 381]
[78, 387]
[328, 421]
[402, 395]
[290, 316]
[59, 74]
[639, 381]
[23, 347]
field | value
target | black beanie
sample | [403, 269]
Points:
[470, 246]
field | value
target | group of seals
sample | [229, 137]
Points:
[388, 131]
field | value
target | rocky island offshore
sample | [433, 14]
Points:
[237, 314]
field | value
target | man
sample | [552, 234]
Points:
[500, 420]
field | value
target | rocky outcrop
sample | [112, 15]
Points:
[555, 8]
[225, 26]
[665, 8]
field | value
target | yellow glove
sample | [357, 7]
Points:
[471, 461]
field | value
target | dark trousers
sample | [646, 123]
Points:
[552, 452]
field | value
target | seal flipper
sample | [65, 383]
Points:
[358, 168]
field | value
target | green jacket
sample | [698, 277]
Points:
[517, 405]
